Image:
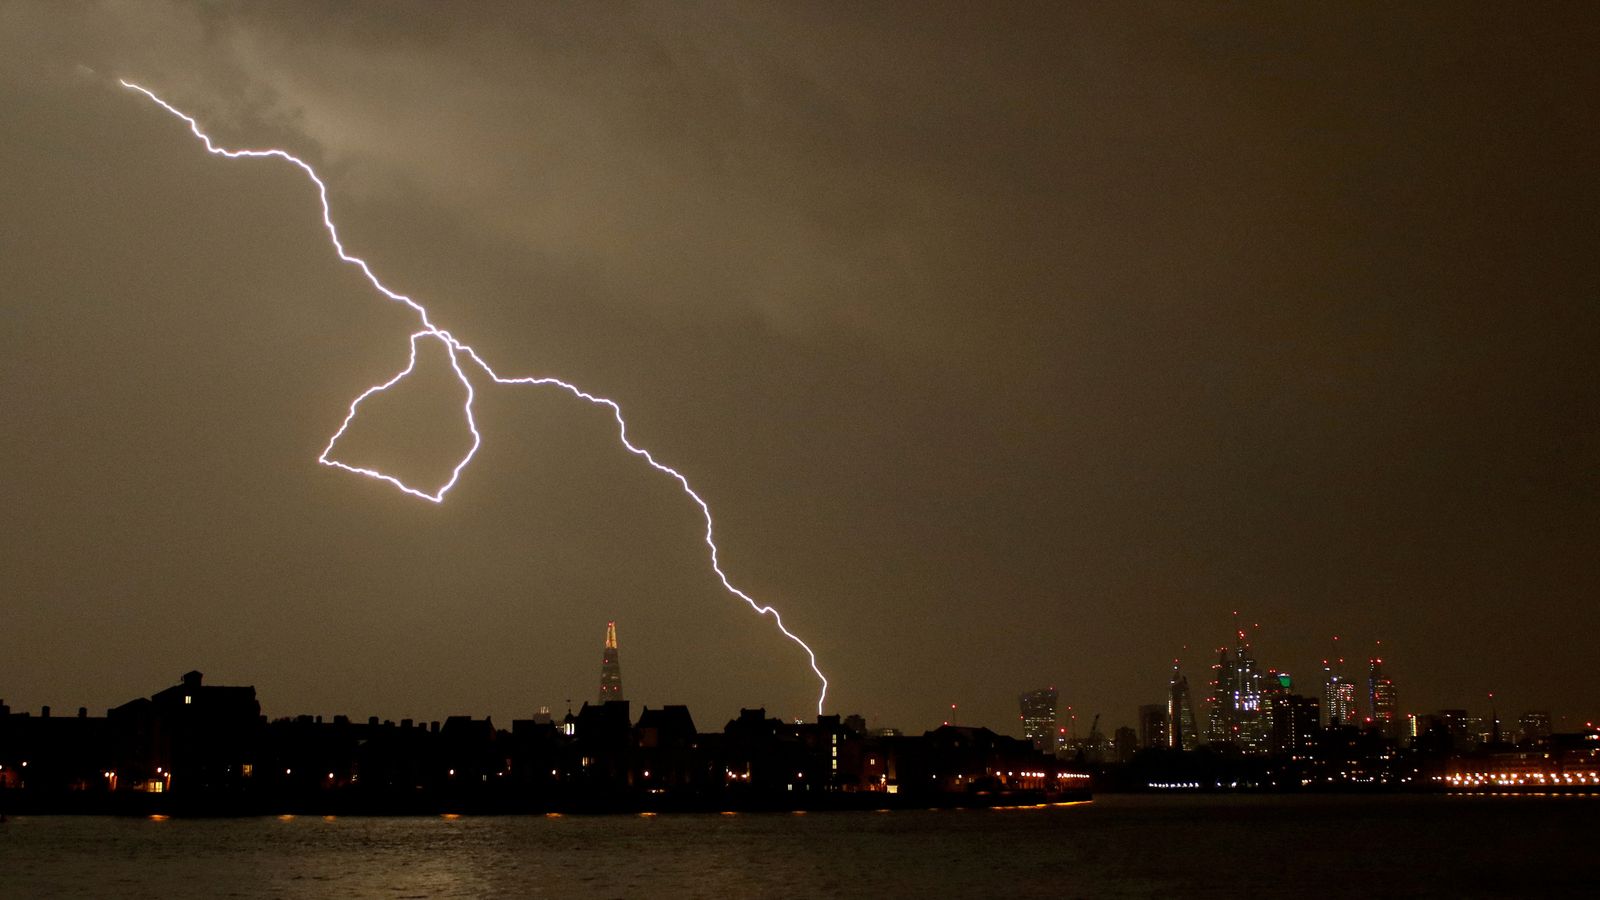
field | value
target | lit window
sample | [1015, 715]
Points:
[187, 699]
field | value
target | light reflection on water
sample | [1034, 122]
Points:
[1116, 846]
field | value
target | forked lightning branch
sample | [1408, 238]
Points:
[463, 360]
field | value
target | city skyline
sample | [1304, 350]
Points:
[1011, 347]
[1052, 724]
[214, 746]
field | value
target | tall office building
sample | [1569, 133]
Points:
[1339, 695]
[1294, 724]
[1381, 700]
[1274, 685]
[1181, 734]
[610, 669]
[1252, 718]
[1039, 718]
[1238, 715]
[1152, 725]
[1220, 701]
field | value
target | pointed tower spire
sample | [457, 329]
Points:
[610, 668]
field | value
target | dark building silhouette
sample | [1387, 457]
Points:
[1534, 726]
[761, 755]
[470, 751]
[1039, 717]
[190, 738]
[603, 743]
[538, 755]
[1152, 725]
[610, 668]
[206, 749]
[1295, 723]
[1461, 727]
[52, 754]
[1124, 743]
[666, 746]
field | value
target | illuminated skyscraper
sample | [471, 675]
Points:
[610, 669]
[1220, 703]
[1237, 714]
[1039, 718]
[1381, 700]
[1339, 695]
[1181, 734]
[1252, 718]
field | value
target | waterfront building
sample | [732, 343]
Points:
[191, 736]
[206, 749]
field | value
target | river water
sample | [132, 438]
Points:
[1117, 846]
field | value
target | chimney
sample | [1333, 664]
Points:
[44, 712]
[83, 712]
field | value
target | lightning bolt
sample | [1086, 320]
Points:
[462, 357]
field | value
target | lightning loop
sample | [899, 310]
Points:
[462, 357]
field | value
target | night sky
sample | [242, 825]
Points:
[1009, 348]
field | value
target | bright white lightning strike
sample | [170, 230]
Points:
[457, 351]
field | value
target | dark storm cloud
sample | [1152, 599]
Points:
[1009, 347]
